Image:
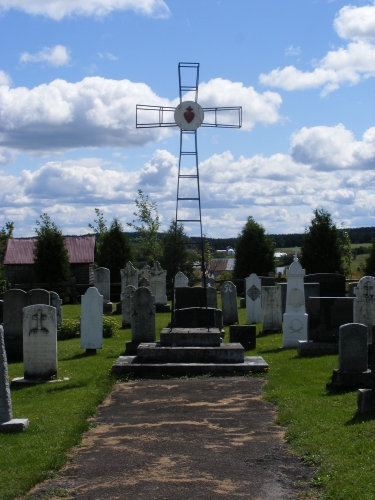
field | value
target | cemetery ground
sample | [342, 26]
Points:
[322, 426]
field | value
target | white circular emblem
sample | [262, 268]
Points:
[189, 115]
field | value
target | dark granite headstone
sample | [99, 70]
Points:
[186, 296]
[244, 334]
[326, 315]
[1, 311]
[331, 284]
[198, 317]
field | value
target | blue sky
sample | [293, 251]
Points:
[71, 74]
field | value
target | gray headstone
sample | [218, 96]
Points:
[127, 305]
[102, 282]
[144, 282]
[180, 280]
[253, 291]
[199, 317]
[326, 315]
[56, 302]
[158, 283]
[210, 282]
[39, 342]
[91, 319]
[364, 303]
[6, 412]
[143, 316]
[211, 297]
[144, 272]
[1, 311]
[38, 296]
[331, 284]
[14, 302]
[229, 304]
[271, 308]
[353, 347]
[129, 276]
[311, 290]
[351, 288]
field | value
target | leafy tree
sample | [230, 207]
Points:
[369, 267]
[51, 263]
[346, 251]
[254, 251]
[147, 223]
[175, 254]
[115, 250]
[321, 251]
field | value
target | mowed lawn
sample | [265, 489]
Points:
[323, 427]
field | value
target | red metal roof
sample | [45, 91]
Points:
[220, 265]
[21, 250]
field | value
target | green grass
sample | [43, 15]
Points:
[322, 427]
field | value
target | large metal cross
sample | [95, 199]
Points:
[188, 116]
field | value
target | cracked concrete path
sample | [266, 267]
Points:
[206, 438]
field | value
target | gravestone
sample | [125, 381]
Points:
[194, 296]
[127, 304]
[366, 397]
[210, 282]
[144, 282]
[211, 297]
[56, 302]
[311, 290]
[14, 302]
[91, 320]
[244, 334]
[1, 311]
[129, 277]
[39, 342]
[271, 309]
[229, 305]
[158, 287]
[295, 317]
[199, 317]
[331, 284]
[180, 280]
[353, 357]
[7, 422]
[351, 287]
[253, 291]
[364, 303]
[102, 283]
[326, 315]
[143, 323]
[144, 272]
[38, 296]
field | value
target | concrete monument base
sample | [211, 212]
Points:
[351, 379]
[365, 400]
[310, 348]
[14, 425]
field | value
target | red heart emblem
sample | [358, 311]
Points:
[189, 114]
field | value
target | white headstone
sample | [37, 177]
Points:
[143, 316]
[56, 302]
[102, 283]
[295, 317]
[129, 277]
[127, 305]
[271, 308]
[39, 342]
[180, 280]
[91, 319]
[158, 283]
[229, 304]
[253, 298]
[364, 303]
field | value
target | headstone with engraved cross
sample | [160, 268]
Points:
[253, 298]
[229, 305]
[364, 303]
[40, 342]
[143, 316]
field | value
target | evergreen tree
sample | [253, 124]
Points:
[51, 264]
[369, 267]
[321, 251]
[254, 251]
[147, 224]
[175, 254]
[114, 250]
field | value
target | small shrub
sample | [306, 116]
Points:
[110, 327]
[68, 329]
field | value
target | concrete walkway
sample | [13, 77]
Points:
[207, 438]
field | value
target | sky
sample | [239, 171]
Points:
[72, 72]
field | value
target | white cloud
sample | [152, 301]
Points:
[54, 56]
[333, 148]
[98, 112]
[5, 78]
[356, 23]
[159, 169]
[293, 51]
[345, 65]
[107, 55]
[58, 9]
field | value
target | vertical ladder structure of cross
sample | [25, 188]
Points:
[188, 116]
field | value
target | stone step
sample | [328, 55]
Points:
[155, 353]
[190, 337]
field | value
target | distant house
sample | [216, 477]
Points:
[279, 255]
[230, 251]
[218, 266]
[19, 259]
